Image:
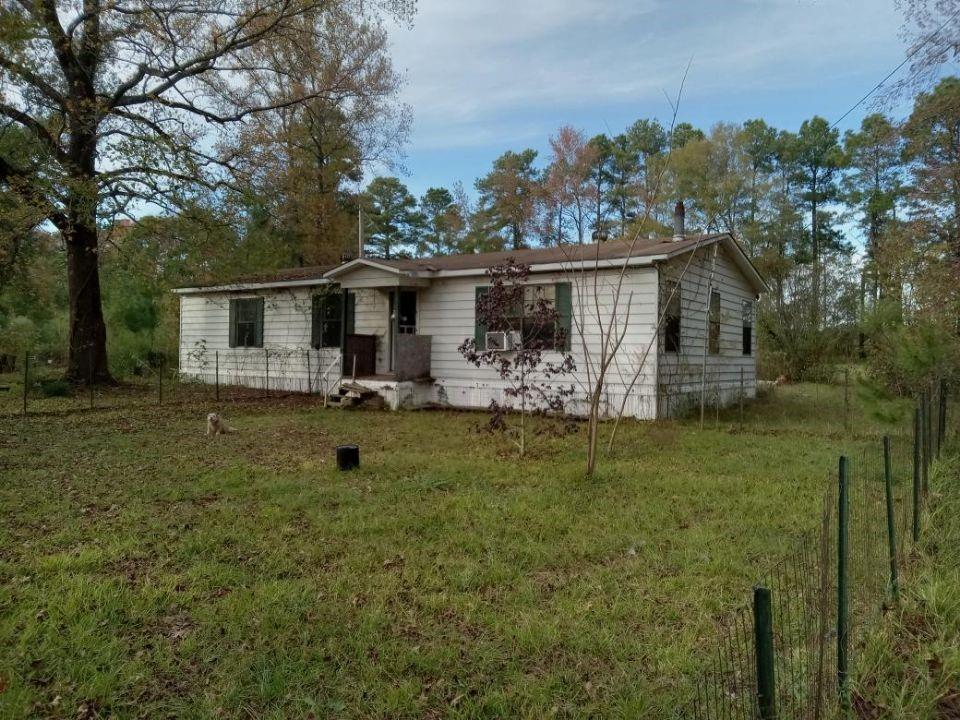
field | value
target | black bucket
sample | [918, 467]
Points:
[348, 457]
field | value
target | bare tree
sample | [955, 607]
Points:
[609, 320]
[121, 99]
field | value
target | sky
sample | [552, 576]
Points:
[495, 75]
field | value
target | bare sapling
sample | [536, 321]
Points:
[527, 335]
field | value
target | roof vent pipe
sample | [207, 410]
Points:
[678, 221]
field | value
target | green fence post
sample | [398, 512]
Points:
[26, 380]
[90, 374]
[763, 648]
[925, 440]
[843, 629]
[942, 424]
[917, 438]
[741, 399]
[216, 373]
[891, 535]
[266, 380]
[309, 375]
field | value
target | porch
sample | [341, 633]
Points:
[383, 349]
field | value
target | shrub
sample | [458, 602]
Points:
[55, 388]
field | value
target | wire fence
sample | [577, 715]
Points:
[36, 387]
[789, 651]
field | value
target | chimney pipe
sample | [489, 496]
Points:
[678, 221]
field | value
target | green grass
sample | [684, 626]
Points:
[910, 663]
[149, 571]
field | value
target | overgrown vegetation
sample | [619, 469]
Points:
[909, 666]
[148, 571]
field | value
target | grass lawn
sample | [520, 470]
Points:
[149, 571]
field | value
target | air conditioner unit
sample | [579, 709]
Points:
[497, 340]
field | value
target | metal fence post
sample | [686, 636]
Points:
[90, 378]
[741, 399]
[891, 535]
[266, 379]
[763, 648]
[942, 413]
[309, 375]
[26, 380]
[843, 629]
[846, 398]
[925, 440]
[917, 437]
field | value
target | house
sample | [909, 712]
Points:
[394, 326]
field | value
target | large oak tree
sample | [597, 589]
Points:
[128, 103]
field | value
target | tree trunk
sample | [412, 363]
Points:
[88, 333]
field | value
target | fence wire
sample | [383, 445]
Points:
[804, 587]
[221, 377]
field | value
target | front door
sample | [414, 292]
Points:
[403, 319]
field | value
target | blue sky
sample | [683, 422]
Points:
[485, 77]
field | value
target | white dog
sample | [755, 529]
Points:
[216, 425]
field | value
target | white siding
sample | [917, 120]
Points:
[680, 373]
[205, 343]
[446, 313]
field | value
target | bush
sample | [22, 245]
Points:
[55, 388]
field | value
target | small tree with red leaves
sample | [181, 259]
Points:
[535, 363]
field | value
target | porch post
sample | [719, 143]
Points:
[394, 328]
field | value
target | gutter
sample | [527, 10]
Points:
[241, 287]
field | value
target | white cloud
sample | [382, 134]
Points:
[480, 73]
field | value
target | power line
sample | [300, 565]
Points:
[893, 72]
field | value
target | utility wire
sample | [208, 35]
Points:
[893, 72]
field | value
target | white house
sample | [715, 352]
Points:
[686, 312]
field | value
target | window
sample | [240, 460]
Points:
[714, 322]
[327, 320]
[554, 335]
[246, 322]
[670, 300]
[747, 327]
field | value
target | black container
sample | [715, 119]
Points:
[348, 457]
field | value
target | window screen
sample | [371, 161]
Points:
[246, 322]
[670, 300]
[327, 320]
[747, 327]
[714, 322]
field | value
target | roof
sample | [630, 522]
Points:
[613, 250]
[274, 278]
[646, 251]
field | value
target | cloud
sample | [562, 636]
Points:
[504, 70]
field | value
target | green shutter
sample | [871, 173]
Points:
[258, 328]
[315, 323]
[233, 323]
[564, 306]
[479, 329]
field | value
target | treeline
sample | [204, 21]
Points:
[858, 233]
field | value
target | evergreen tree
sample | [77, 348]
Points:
[817, 159]
[441, 223]
[507, 202]
[390, 218]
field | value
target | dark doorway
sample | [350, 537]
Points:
[407, 315]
